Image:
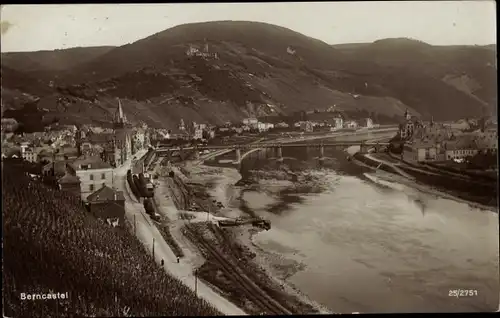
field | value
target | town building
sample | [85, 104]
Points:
[351, 124]
[93, 173]
[250, 121]
[368, 123]
[338, 123]
[194, 51]
[45, 155]
[198, 134]
[195, 131]
[407, 127]
[29, 154]
[262, 127]
[9, 124]
[107, 204]
[70, 183]
[139, 139]
[460, 148]
[179, 135]
[281, 125]
[307, 126]
[208, 134]
[238, 130]
[68, 151]
[422, 151]
[487, 145]
[182, 126]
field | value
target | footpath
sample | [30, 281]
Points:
[147, 232]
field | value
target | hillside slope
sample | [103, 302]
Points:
[263, 70]
[51, 244]
[437, 80]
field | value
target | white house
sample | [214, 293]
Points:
[250, 121]
[198, 133]
[93, 174]
[351, 124]
[262, 127]
[307, 126]
[368, 123]
[338, 123]
[29, 154]
[282, 125]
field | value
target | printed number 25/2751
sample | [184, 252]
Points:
[462, 292]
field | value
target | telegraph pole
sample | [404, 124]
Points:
[135, 226]
[153, 248]
[196, 282]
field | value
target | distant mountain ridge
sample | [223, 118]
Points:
[56, 60]
[261, 70]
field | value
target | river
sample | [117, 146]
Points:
[367, 246]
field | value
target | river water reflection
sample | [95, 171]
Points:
[368, 248]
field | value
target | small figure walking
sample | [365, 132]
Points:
[177, 259]
[162, 262]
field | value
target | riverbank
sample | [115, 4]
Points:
[477, 195]
[208, 184]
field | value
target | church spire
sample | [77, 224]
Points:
[120, 112]
[120, 118]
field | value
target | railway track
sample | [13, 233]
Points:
[253, 292]
[247, 286]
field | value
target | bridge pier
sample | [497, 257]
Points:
[280, 154]
[321, 152]
[238, 155]
[363, 148]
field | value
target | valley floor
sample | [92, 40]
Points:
[228, 262]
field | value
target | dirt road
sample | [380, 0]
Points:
[148, 234]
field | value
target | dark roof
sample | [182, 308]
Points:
[121, 134]
[59, 166]
[94, 161]
[461, 143]
[419, 144]
[101, 138]
[485, 143]
[45, 152]
[106, 194]
[68, 178]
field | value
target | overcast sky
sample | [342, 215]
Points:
[47, 27]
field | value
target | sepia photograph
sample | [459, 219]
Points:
[273, 158]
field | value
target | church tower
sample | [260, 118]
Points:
[123, 141]
[407, 115]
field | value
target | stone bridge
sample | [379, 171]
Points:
[364, 147]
